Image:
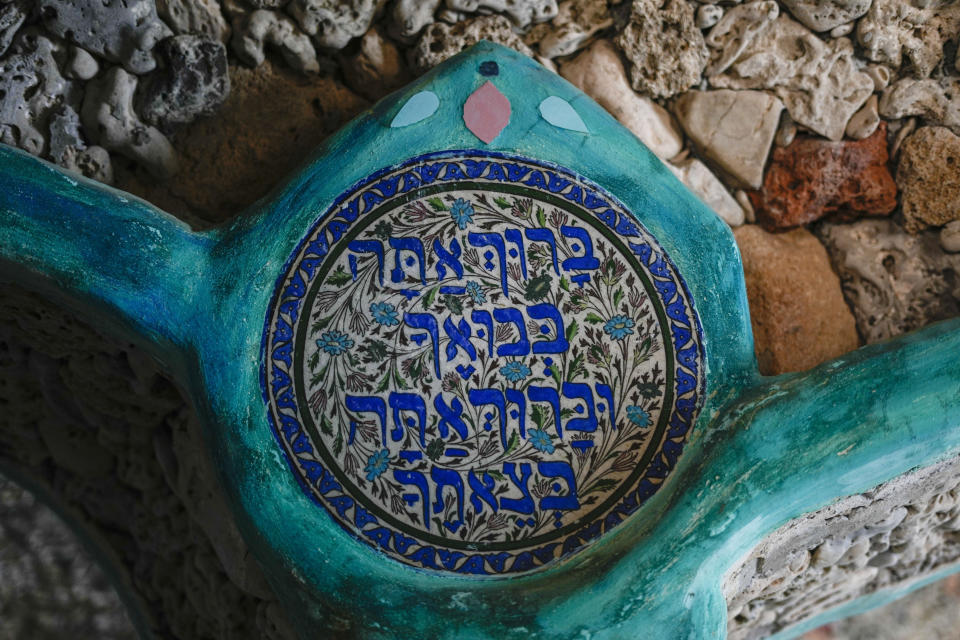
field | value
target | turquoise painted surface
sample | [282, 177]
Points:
[763, 451]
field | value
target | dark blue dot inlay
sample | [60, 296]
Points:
[489, 68]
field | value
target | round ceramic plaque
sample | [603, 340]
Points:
[479, 363]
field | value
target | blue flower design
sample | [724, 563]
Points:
[384, 313]
[335, 342]
[540, 440]
[638, 416]
[462, 213]
[619, 327]
[377, 464]
[514, 371]
[475, 292]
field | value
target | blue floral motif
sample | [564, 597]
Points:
[462, 213]
[514, 371]
[335, 342]
[476, 293]
[619, 327]
[638, 416]
[540, 440]
[384, 313]
[377, 464]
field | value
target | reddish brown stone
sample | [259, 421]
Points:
[813, 177]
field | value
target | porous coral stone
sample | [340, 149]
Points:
[813, 177]
[797, 309]
[929, 175]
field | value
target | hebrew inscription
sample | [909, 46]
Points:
[479, 364]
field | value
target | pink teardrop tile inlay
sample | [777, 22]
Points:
[486, 112]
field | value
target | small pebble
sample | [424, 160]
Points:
[864, 122]
[708, 15]
[880, 76]
[749, 215]
[81, 64]
[841, 30]
[950, 237]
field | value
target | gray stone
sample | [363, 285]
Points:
[31, 88]
[411, 16]
[732, 129]
[521, 12]
[110, 121]
[708, 15]
[194, 82]
[334, 23]
[577, 21]
[80, 65]
[197, 17]
[439, 41]
[737, 30]
[261, 28]
[94, 162]
[936, 101]
[824, 15]
[888, 537]
[665, 48]
[599, 73]
[895, 282]
[894, 30]
[124, 32]
[819, 82]
[376, 68]
[864, 122]
[950, 237]
[12, 15]
[709, 189]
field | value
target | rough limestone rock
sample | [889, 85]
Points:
[812, 178]
[894, 30]
[110, 121]
[928, 175]
[936, 101]
[709, 189]
[261, 28]
[80, 65]
[577, 21]
[665, 49]
[439, 41]
[950, 237]
[229, 161]
[732, 129]
[894, 281]
[599, 73]
[124, 32]
[797, 310]
[194, 81]
[521, 12]
[12, 15]
[197, 17]
[864, 122]
[376, 69]
[31, 88]
[334, 23]
[824, 15]
[736, 30]
[411, 16]
[818, 81]
[69, 150]
[708, 15]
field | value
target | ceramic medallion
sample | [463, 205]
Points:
[479, 363]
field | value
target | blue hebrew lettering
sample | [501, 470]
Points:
[605, 392]
[574, 390]
[428, 322]
[361, 404]
[418, 480]
[547, 394]
[559, 469]
[546, 311]
[414, 245]
[446, 258]
[459, 337]
[522, 346]
[408, 402]
[479, 316]
[520, 505]
[448, 478]
[587, 260]
[514, 236]
[484, 490]
[481, 397]
[366, 246]
[450, 416]
[494, 240]
[515, 396]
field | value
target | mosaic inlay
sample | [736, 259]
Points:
[479, 363]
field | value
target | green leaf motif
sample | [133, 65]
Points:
[320, 324]
[593, 318]
[326, 426]
[541, 217]
[453, 303]
[564, 283]
[601, 485]
[537, 416]
[338, 444]
[339, 277]
[377, 349]
[435, 449]
[617, 297]
[429, 297]
[436, 204]
[502, 202]
[572, 330]
[514, 441]
[537, 288]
